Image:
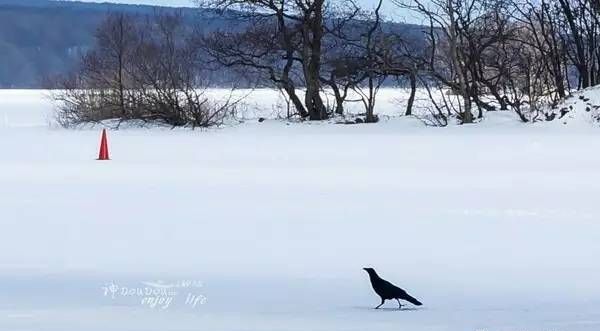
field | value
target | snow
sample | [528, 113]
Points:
[492, 226]
[582, 108]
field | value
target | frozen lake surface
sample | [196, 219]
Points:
[492, 226]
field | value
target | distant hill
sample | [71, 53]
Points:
[41, 38]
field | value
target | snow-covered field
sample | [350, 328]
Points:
[493, 226]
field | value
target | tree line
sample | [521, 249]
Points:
[472, 56]
[522, 55]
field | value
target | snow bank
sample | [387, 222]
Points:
[580, 109]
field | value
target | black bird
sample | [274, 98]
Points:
[388, 291]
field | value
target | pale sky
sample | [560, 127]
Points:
[174, 3]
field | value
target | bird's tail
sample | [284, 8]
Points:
[413, 300]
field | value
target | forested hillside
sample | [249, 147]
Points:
[40, 38]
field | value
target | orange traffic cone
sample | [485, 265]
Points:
[103, 155]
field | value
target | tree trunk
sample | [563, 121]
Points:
[312, 32]
[339, 100]
[413, 92]
[291, 92]
[581, 63]
[370, 115]
[466, 116]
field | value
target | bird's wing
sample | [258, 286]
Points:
[391, 288]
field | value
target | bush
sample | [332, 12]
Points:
[139, 69]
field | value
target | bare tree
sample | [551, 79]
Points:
[374, 75]
[516, 53]
[263, 49]
[150, 73]
[362, 55]
[451, 59]
[296, 31]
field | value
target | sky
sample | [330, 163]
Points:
[174, 3]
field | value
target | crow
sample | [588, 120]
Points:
[388, 291]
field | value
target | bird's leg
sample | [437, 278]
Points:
[381, 304]
[399, 304]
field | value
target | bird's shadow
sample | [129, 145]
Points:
[391, 309]
[401, 309]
